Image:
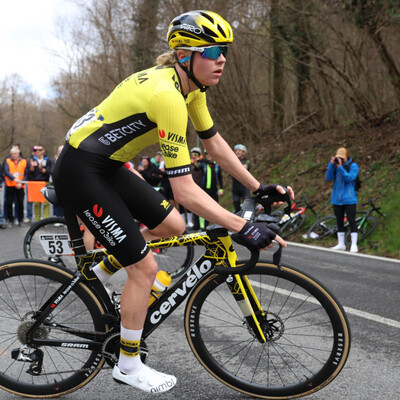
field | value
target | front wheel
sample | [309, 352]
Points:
[308, 335]
[323, 227]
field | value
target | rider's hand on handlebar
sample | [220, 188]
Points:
[271, 191]
[256, 236]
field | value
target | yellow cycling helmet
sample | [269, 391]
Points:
[198, 28]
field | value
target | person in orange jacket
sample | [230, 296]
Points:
[15, 172]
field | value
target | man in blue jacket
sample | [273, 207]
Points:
[343, 172]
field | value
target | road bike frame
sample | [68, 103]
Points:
[219, 251]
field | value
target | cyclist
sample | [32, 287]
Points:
[149, 106]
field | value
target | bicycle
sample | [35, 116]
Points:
[289, 224]
[48, 239]
[264, 329]
[366, 223]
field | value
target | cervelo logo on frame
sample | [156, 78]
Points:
[97, 211]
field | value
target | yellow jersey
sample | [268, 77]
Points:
[146, 108]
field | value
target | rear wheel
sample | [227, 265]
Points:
[44, 370]
[308, 336]
[34, 249]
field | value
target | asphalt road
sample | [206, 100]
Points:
[368, 288]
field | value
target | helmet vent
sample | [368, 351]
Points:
[205, 15]
[222, 31]
[209, 32]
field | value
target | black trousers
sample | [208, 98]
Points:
[19, 194]
[350, 210]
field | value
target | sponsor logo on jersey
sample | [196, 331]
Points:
[161, 133]
[179, 171]
[169, 151]
[120, 133]
[173, 137]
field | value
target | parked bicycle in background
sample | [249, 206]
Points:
[366, 224]
[288, 223]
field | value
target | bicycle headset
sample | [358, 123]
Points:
[195, 29]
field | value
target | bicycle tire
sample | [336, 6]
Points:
[322, 228]
[292, 225]
[309, 346]
[24, 286]
[175, 260]
[365, 230]
[34, 249]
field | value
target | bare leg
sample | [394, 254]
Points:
[172, 225]
[134, 304]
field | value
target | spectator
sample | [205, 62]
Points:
[57, 209]
[239, 191]
[211, 182]
[2, 224]
[29, 205]
[5, 208]
[150, 172]
[15, 172]
[156, 160]
[343, 172]
[39, 170]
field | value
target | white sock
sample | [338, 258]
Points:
[354, 237]
[340, 236]
[189, 218]
[130, 365]
[101, 275]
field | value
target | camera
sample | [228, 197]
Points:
[336, 161]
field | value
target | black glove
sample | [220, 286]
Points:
[256, 235]
[267, 194]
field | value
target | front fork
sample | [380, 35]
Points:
[249, 304]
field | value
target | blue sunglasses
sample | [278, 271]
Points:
[211, 52]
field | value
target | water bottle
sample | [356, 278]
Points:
[162, 281]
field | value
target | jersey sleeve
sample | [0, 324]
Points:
[168, 110]
[200, 116]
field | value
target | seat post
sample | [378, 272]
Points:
[74, 232]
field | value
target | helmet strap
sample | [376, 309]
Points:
[190, 74]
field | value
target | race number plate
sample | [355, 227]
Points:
[56, 244]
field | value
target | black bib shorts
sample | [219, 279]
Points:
[107, 197]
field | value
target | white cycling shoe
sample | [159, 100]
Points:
[339, 247]
[147, 379]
